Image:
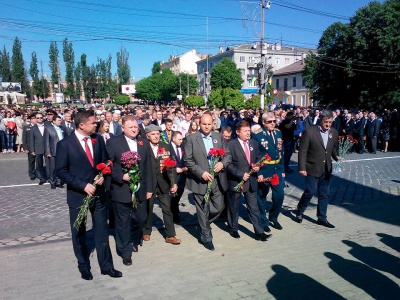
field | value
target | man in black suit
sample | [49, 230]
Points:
[359, 131]
[142, 126]
[36, 147]
[372, 133]
[177, 151]
[337, 121]
[316, 118]
[318, 145]
[163, 184]
[348, 126]
[115, 128]
[244, 153]
[159, 120]
[76, 161]
[67, 123]
[52, 135]
[26, 135]
[128, 218]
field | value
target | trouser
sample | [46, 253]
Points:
[123, 222]
[139, 214]
[252, 211]
[277, 200]
[176, 198]
[40, 170]
[31, 166]
[50, 171]
[288, 148]
[3, 140]
[318, 186]
[99, 217]
[9, 141]
[165, 204]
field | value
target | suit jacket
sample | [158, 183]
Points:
[239, 165]
[142, 131]
[373, 128]
[308, 122]
[313, 157]
[117, 128]
[51, 139]
[337, 124]
[73, 167]
[36, 141]
[359, 126]
[156, 123]
[70, 129]
[181, 177]
[162, 180]
[120, 190]
[349, 127]
[26, 136]
[196, 161]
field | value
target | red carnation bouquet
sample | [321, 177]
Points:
[274, 180]
[168, 165]
[215, 154]
[344, 143]
[259, 163]
[104, 169]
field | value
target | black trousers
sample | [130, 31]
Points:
[139, 215]
[40, 170]
[123, 225]
[175, 199]
[31, 166]
[99, 217]
[165, 204]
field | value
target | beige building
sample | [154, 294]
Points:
[289, 85]
[184, 63]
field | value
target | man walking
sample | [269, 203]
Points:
[318, 146]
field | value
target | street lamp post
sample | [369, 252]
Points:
[264, 5]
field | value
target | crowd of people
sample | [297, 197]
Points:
[64, 146]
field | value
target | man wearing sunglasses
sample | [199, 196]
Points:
[269, 141]
[36, 147]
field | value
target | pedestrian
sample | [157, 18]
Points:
[36, 147]
[318, 146]
[25, 143]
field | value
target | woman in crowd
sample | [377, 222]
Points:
[385, 136]
[193, 127]
[104, 130]
[11, 130]
[19, 121]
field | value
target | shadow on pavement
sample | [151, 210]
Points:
[374, 283]
[286, 284]
[390, 241]
[375, 258]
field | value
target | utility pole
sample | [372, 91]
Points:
[59, 76]
[264, 5]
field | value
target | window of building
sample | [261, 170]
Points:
[293, 99]
[285, 82]
[303, 101]
[277, 60]
[277, 83]
[303, 83]
[287, 61]
[242, 59]
[294, 81]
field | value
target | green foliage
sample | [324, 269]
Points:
[156, 68]
[253, 103]
[33, 69]
[121, 99]
[123, 69]
[358, 64]
[223, 98]
[216, 98]
[188, 81]
[226, 75]
[194, 101]
[18, 69]
[5, 65]
[69, 59]
[53, 64]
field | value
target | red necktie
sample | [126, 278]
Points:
[247, 152]
[88, 153]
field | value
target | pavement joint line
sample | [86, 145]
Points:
[21, 185]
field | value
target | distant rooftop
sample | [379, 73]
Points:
[296, 67]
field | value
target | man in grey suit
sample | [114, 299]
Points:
[67, 123]
[52, 135]
[197, 160]
[318, 145]
[36, 147]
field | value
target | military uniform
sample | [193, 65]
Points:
[270, 143]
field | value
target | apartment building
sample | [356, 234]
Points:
[184, 63]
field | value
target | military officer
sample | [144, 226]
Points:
[270, 142]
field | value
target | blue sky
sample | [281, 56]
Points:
[152, 30]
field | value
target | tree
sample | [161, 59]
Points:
[85, 74]
[78, 83]
[216, 98]
[156, 68]
[17, 69]
[123, 69]
[233, 98]
[5, 65]
[253, 103]
[121, 99]
[69, 60]
[34, 73]
[53, 64]
[226, 75]
[194, 101]
[186, 81]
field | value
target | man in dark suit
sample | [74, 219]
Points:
[142, 126]
[115, 128]
[76, 161]
[121, 195]
[197, 147]
[52, 135]
[244, 153]
[337, 121]
[348, 126]
[177, 151]
[26, 135]
[372, 133]
[36, 147]
[318, 145]
[316, 118]
[164, 182]
[359, 131]
[159, 119]
[67, 123]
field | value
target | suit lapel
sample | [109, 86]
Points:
[201, 143]
[320, 137]
[240, 149]
[78, 146]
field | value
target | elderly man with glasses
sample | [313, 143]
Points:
[269, 141]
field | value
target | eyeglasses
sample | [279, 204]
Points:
[39, 118]
[270, 121]
[50, 114]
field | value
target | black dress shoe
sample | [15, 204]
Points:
[33, 178]
[325, 223]
[275, 225]
[86, 275]
[112, 273]
[234, 234]
[135, 247]
[209, 246]
[127, 261]
[267, 229]
[299, 216]
[262, 237]
[42, 181]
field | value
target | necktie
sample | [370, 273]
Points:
[271, 134]
[178, 153]
[88, 153]
[247, 151]
[68, 126]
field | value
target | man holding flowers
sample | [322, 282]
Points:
[76, 161]
[209, 201]
[129, 217]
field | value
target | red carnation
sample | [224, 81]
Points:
[267, 157]
[101, 166]
[140, 143]
[169, 163]
[109, 163]
[221, 152]
[160, 151]
[94, 141]
[106, 171]
[274, 180]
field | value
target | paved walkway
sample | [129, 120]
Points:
[357, 260]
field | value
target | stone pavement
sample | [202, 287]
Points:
[357, 260]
